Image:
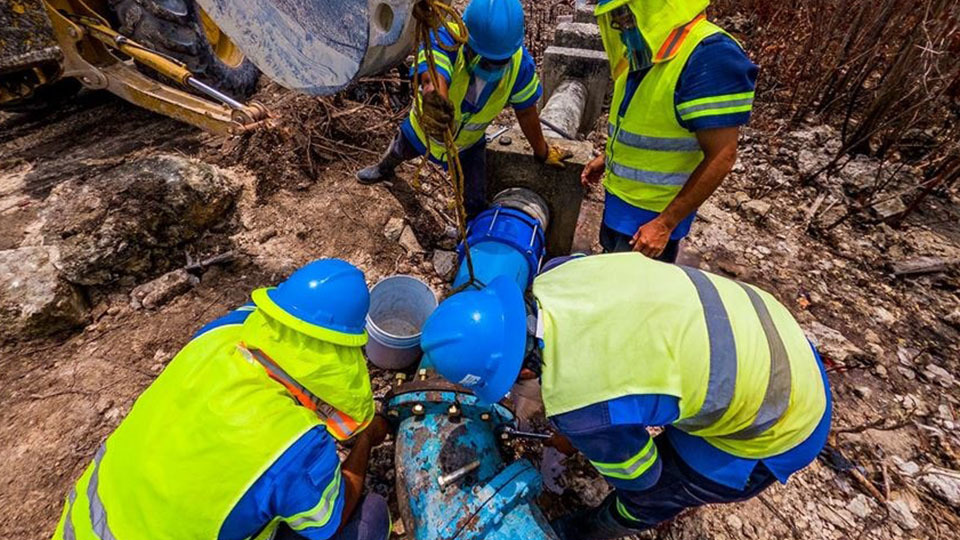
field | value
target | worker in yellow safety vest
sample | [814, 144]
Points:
[237, 437]
[475, 82]
[721, 365]
[682, 89]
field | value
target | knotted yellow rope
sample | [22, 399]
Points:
[431, 16]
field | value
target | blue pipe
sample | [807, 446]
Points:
[445, 437]
[444, 433]
[503, 241]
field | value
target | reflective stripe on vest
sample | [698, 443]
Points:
[723, 355]
[98, 514]
[338, 424]
[777, 397]
[68, 531]
[660, 144]
[723, 364]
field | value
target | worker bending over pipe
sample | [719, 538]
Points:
[682, 89]
[622, 342]
[237, 437]
[476, 81]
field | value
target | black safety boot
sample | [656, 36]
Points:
[595, 524]
[384, 170]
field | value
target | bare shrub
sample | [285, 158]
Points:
[885, 73]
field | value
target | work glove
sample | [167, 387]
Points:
[555, 157]
[436, 115]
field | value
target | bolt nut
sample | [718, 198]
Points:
[453, 410]
[485, 416]
[422, 374]
[504, 436]
[401, 377]
[393, 413]
[419, 409]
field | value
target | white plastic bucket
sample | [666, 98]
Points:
[399, 305]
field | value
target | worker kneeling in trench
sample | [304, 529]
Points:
[622, 342]
[236, 438]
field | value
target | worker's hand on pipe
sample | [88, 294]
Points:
[555, 157]
[436, 115]
[593, 171]
[651, 238]
[377, 431]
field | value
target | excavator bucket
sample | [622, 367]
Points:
[317, 46]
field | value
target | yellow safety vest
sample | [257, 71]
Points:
[649, 155]
[622, 324]
[470, 128]
[192, 445]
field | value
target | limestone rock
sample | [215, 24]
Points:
[889, 208]
[129, 220]
[832, 343]
[409, 242]
[34, 301]
[938, 375]
[906, 468]
[860, 506]
[902, 515]
[158, 292]
[757, 208]
[445, 263]
[393, 229]
[943, 484]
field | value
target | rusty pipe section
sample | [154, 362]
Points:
[452, 481]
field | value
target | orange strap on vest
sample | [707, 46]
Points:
[676, 38]
[339, 424]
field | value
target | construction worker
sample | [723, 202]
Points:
[682, 89]
[477, 81]
[722, 365]
[237, 438]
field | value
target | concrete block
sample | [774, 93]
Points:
[584, 13]
[575, 35]
[590, 67]
[513, 165]
[565, 109]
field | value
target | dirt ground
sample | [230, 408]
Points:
[895, 416]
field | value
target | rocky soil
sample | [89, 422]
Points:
[121, 233]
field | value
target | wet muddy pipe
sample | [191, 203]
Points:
[452, 481]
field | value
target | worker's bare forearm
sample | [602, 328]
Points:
[720, 155]
[354, 472]
[529, 120]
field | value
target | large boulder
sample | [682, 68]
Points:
[34, 301]
[133, 218]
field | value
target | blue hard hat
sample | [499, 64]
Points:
[495, 27]
[326, 299]
[478, 338]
